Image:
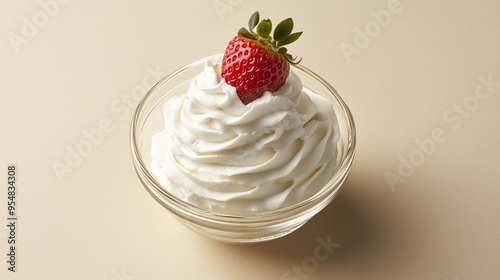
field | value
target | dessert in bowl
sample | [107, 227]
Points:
[236, 161]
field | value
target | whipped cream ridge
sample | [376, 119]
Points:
[217, 153]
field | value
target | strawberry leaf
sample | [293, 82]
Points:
[293, 60]
[264, 28]
[289, 39]
[243, 32]
[253, 21]
[283, 29]
[282, 51]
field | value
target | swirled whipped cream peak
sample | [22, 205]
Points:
[217, 153]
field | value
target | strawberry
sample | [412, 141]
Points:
[255, 62]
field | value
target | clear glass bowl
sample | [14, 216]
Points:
[254, 226]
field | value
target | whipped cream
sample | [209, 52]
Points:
[217, 153]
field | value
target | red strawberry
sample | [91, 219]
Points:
[255, 62]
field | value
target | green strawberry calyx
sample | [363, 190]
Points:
[282, 35]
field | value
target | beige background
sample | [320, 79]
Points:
[86, 62]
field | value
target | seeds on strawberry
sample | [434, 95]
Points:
[255, 62]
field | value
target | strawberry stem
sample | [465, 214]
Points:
[282, 35]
